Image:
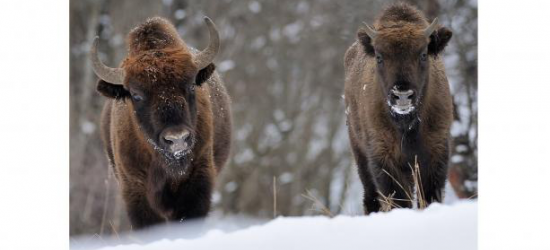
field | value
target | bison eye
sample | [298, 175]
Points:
[379, 59]
[423, 57]
[137, 98]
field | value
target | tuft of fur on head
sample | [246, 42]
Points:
[161, 67]
[157, 55]
[400, 13]
[155, 33]
[400, 28]
[399, 25]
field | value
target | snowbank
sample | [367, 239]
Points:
[437, 227]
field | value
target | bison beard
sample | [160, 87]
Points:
[399, 55]
[177, 197]
[166, 126]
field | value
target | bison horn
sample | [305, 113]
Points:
[428, 31]
[108, 74]
[205, 57]
[370, 32]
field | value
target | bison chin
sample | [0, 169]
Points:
[176, 166]
[406, 122]
[405, 117]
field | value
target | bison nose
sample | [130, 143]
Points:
[403, 97]
[176, 140]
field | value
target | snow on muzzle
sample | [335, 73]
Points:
[402, 101]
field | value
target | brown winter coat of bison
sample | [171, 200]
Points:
[166, 126]
[399, 107]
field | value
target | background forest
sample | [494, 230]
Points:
[282, 63]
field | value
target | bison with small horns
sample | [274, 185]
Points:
[399, 107]
[166, 126]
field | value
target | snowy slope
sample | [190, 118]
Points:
[437, 227]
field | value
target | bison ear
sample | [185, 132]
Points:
[365, 40]
[438, 40]
[111, 90]
[204, 74]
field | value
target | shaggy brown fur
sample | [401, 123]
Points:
[383, 140]
[157, 187]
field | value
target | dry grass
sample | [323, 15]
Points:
[415, 195]
[418, 197]
[417, 180]
[113, 228]
[317, 205]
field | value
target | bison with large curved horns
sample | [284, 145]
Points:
[399, 108]
[166, 126]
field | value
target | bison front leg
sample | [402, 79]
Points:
[433, 182]
[392, 194]
[140, 213]
[394, 188]
[178, 200]
[433, 172]
[370, 196]
[193, 198]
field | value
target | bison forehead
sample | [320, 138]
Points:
[160, 67]
[402, 38]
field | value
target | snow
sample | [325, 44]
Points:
[457, 158]
[450, 195]
[286, 177]
[402, 110]
[245, 156]
[292, 31]
[226, 65]
[180, 14]
[254, 7]
[258, 43]
[87, 127]
[302, 8]
[231, 186]
[439, 226]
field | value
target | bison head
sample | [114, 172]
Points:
[157, 83]
[402, 52]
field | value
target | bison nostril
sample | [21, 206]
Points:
[168, 142]
[176, 140]
[185, 136]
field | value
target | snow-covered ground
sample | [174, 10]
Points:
[440, 226]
